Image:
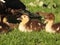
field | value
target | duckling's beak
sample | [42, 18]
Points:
[45, 21]
[19, 18]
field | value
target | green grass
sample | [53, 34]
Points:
[33, 38]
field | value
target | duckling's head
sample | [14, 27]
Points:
[49, 17]
[24, 18]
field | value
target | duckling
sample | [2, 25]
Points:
[4, 28]
[51, 27]
[4, 25]
[29, 25]
[3, 18]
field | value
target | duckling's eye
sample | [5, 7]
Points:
[24, 16]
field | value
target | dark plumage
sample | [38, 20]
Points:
[15, 13]
[14, 9]
[36, 25]
[2, 7]
[15, 4]
[4, 28]
[56, 27]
